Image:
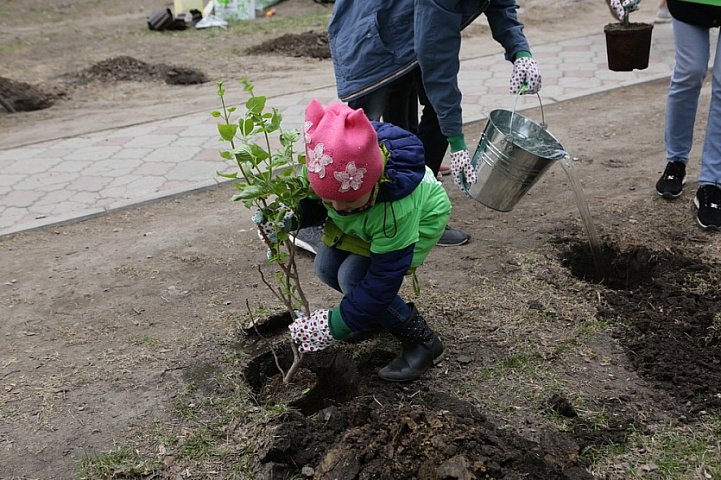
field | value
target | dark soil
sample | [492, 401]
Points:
[353, 425]
[129, 69]
[671, 328]
[308, 44]
[19, 96]
[23, 97]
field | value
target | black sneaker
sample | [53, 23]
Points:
[708, 202]
[453, 238]
[309, 238]
[670, 185]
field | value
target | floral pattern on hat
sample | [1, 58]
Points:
[317, 160]
[306, 131]
[351, 178]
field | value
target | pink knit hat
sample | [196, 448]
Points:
[343, 158]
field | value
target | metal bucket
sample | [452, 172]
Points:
[511, 156]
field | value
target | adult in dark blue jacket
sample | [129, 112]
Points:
[389, 55]
[384, 50]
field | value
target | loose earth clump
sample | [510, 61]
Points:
[129, 69]
[347, 423]
[666, 306]
[23, 97]
[308, 44]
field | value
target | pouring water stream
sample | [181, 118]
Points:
[551, 152]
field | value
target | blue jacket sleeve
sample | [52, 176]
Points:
[437, 44]
[384, 278]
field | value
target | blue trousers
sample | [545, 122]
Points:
[343, 271]
[692, 61]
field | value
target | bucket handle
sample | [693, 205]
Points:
[543, 123]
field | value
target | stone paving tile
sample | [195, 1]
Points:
[76, 178]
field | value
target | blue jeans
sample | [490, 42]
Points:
[343, 270]
[692, 59]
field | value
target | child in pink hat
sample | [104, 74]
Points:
[383, 212]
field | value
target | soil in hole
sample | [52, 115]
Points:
[615, 269]
[666, 307]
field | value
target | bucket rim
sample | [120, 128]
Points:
[501, 128]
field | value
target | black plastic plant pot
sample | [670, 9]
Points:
[628, 47]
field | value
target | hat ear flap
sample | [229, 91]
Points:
[314, 112]
[356, 117]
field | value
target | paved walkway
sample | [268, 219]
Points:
[76, 178]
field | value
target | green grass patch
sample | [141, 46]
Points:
[673, 452]
[123, 462]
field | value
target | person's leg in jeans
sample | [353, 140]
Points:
[711, 154]
[420, 345]
[343, 270]
[692, 47]
[708, 196]
[429, 130]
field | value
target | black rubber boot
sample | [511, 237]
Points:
[420, 349]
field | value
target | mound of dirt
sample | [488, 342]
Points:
[23, 97]
[129, 69]
[362, 428]
[308, 44]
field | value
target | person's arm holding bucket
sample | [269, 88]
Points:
[438, 25]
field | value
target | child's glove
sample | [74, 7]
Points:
[461, 164]
[525, 72]
[621, 8]
[312, 333]
[267, 225]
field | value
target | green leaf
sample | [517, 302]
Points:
[246, 127]
[244, 153]
[289, 137]
[226, 155]
[250, 192]
[259, 153]
[227, 175]
[256, 105]
[215, 113]
[227, 131]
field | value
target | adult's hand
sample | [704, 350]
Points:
[525, 74]
[462, 169]
[621, 8]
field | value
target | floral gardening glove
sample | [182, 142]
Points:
[525, 73]
[268, 225]
[312, 333]
[621, 8]
[461, 167]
